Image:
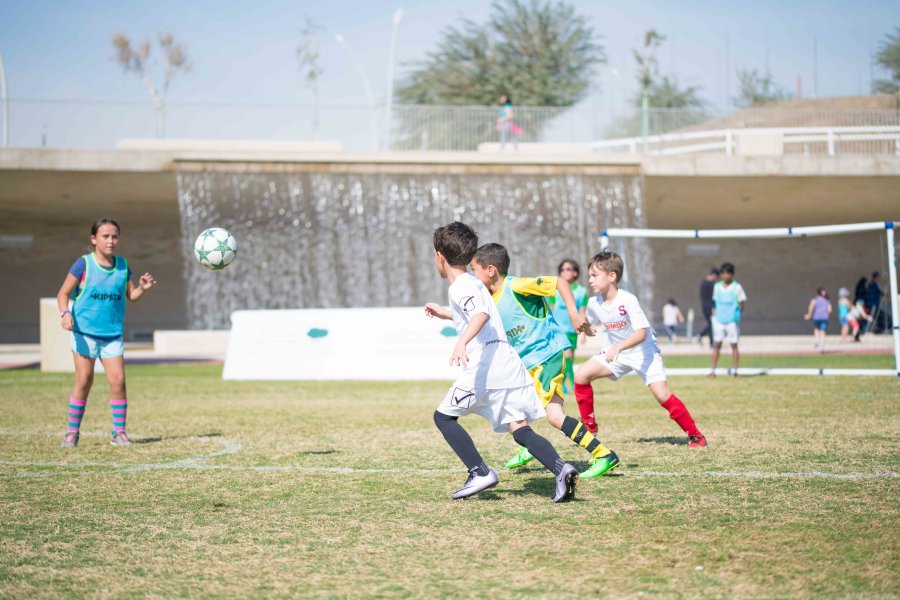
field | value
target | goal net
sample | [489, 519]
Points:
[781, 270]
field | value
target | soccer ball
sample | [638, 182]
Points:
[215, 248]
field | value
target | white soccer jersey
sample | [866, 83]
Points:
[493, 363]
[621, 318]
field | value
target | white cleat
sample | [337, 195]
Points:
[476, 483]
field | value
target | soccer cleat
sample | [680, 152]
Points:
[697, 441]
[519, 460]
[71, 440]
[476, 483]
[601, 465]
[119, 438]
[565, 484]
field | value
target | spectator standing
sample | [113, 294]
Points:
[506, 127]
[672, 318]
[874, 294]
[859, 292]
[706, 303]
[730, 299]
[820, 312]
[844, 307]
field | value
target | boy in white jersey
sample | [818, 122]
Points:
[493, 382]
[632, 344]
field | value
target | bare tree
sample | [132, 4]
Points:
[308, 57]
[137, 60]
[647, 60]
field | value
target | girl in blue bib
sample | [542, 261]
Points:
[100, 282]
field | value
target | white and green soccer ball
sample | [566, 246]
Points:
[215, 248]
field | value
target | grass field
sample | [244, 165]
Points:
[341, 490]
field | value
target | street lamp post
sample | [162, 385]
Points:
[389, 99]
[367, 87]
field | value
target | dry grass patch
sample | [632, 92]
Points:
[157, 520]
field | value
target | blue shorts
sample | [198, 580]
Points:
[820, 324]
[843, 320]
[92, 347]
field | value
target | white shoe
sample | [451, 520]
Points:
[476, 483]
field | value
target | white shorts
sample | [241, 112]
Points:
[648, 366]
[729, 332]
[501, 407]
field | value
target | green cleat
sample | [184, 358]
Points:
[601, 465]
[519, 460]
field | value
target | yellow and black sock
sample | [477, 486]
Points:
[578, 433]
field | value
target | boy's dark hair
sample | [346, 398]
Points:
[493, 254]
[727, 268]
[609, 262]
[457, 242]
[570, 261]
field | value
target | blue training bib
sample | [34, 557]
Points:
[99, 308]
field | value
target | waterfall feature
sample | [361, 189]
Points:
[352, 239]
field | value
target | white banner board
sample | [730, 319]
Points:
[339, 343]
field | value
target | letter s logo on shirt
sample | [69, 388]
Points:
[622, 310]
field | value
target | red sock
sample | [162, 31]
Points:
[584, 396]
[678, 412]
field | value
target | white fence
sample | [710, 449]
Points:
[763, 141]
[91, 123]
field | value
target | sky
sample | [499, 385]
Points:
[245, 51]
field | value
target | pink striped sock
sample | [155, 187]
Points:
[76, 413]
[119, 410]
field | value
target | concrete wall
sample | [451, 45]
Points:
[56, 195]
[58, 208]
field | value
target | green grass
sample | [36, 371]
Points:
[802, 361]
[834, 361]
[279, 519]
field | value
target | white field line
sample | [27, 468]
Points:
[196, 466]
[199, 463]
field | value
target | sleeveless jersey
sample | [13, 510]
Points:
[530, 327]
[728, 302]
[99, 307]
[560, 312]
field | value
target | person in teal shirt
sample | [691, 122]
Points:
[101, 283]
[568, 270]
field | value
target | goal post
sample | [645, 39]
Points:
[788, 232]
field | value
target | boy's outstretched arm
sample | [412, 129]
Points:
[579, 322]
[436, 310]
[459, 356]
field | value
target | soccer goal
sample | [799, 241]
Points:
[777, 259]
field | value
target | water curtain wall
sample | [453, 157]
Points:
[327, 240]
